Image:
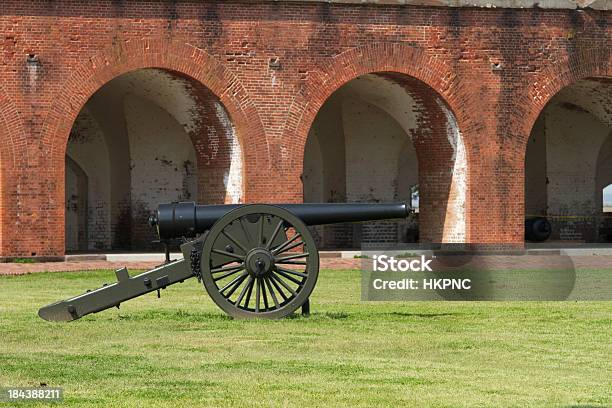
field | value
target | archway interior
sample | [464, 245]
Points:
[569, 162]
[385, 137]
[607, 199]
[146, 137]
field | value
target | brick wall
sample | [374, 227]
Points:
[272, 65]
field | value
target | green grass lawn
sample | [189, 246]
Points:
[181, 351]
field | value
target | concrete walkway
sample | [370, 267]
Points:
[25, 268]
[533, 258]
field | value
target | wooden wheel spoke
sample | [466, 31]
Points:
[222, 265]
[236, 286]
[292, 272]
[283, 283]
[246, 231]
[280, 291]
[226, 268]
[235, 241]
[274, 299]
[290, 247]
[281, 247]
[274, 234]
[226, 274]
[257, 289]
[248, 295]
[249, 285]
[289, 257]
[233, 282]
[261, 230]
[287, 276]
[263, 292]
[229, 254]
[293, 262]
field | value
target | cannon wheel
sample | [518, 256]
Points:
[259, 261]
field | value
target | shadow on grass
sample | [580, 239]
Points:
[180, 315]
[422, 315]
[175, 315]
[323, 315]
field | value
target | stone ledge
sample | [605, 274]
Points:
[543, 4]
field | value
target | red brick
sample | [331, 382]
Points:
[227, 47]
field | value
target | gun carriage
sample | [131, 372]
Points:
[254, 260]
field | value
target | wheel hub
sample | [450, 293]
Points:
[259, 262]
[258, 278]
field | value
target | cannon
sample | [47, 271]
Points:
[255, 260]
[537, 229]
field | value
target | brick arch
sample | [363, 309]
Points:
[594, 62]
[396, 61]
[181, 58]
[396, 58]
[98, 70]
[584, 63]
[13, 160]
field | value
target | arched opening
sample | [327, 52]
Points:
[607, 199]
[145, 137]
[386, 137]
[77, 196]
[568, 162]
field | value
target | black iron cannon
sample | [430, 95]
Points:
[255, 260]
[537, 229]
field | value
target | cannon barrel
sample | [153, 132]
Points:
[186, 219]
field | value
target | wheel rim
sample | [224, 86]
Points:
[259, 261]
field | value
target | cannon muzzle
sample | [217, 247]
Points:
[186, 219]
